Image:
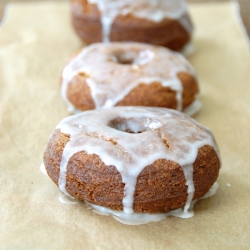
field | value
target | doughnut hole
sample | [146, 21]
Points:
[134, 126]
[132, 57]
[122, 57]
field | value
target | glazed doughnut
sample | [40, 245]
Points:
[129, 74]
[133, 159]
[158, 22]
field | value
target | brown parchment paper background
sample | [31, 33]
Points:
[35, 42]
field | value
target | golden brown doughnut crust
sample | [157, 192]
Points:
[151, 95]
[160, 186]
[86, 22]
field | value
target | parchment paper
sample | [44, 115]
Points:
[35, 42]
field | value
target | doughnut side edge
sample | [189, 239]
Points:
[190, 88]
[53, 154]
[106, 187]
[153, 94]
[125, 27]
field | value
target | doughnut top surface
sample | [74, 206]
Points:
[130, 138]
[112, 70]
[154, 10]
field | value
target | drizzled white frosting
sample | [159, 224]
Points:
[114, 69]
[193, 108]
[153, 129]
[140, 218]
[43, 169]
[153, 10]
[67, 200]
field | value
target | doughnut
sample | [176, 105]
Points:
[158, 22]
[129, 74]
[133, 159]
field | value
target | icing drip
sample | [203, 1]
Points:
[43, 169]
[141, 218]
[188, 173]
[193, 108]
[67, 153]
[129, 63]
[67, 200]
[153, 10]
[185, 22]
[211, 191]
[188, 49]
[142, 136]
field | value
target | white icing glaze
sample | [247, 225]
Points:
[154, 10]
[65, 199]
[194, 107]
[141, 218]
[43, 170]
[211, 191]
[188, 50]
[110, 81]
[91, 131]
